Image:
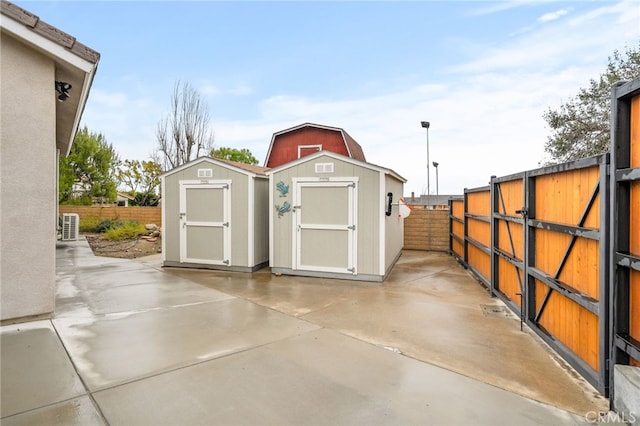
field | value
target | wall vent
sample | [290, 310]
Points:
[324, 167]
[205, 173]
[70, 226]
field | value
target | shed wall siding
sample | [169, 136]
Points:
[27, 182]
[239, 210]
[368, 205]
[261, 221]
[394, 225]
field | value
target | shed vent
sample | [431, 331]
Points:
[70, 226]
[324, 167]
[205, 173]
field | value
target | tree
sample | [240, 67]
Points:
[141, 179]
[234, 154]
[87, 174]
[184, 134]
[580, 127]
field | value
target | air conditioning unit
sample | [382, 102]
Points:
[70, 226]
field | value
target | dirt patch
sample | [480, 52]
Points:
[124, 249]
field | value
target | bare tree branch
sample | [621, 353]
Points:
[184, 134]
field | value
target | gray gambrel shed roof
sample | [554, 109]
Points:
[340, 157]
[75, 64]
[247, 169]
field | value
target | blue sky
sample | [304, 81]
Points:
[481, 72]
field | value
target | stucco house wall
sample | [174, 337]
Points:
[27, 247]
[35, 129]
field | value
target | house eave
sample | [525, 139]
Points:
[74, 62]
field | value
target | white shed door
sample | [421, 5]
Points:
[205, 227]
[325, 226]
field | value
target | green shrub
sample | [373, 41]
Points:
[89, 223]
[107, 224]
[128, 230]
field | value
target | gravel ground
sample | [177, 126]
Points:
[125, 249]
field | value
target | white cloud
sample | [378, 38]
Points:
[552, 16]
[486, 117]
[209, 89]
[501, 7]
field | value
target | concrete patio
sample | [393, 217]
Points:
[132, 343]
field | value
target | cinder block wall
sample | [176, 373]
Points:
[420, 224]
[143, 215]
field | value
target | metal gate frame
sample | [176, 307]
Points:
[617, 178]
[623, 176]
[531, 316]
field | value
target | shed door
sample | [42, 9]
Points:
[204, 222]
[325, 226]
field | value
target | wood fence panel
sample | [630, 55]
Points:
[456, 228]
[508, 276]
[479, 203]
[143, 215]
[478, 232]
[568, 205]
[427, 230]
[479, 261]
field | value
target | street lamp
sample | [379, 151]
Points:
[426, 124]
[436, 164]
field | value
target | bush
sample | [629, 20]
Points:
[127, 231]
[107, 224]
[89, 223]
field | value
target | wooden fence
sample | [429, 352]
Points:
[561, 247]
[144, 215]
[426, 230]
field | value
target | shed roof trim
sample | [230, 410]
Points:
[247, 169]
[336, 157]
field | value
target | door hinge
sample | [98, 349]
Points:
[523, 211]
[352, 270]
[225, 186]
[226, 224]
[352, 227]
[226, 262]
[352, 185]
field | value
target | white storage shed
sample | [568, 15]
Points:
[215, 215]
[334, 216]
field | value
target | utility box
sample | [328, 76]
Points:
[70, 226]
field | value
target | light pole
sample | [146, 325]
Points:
[426, 124]
[436, 164]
